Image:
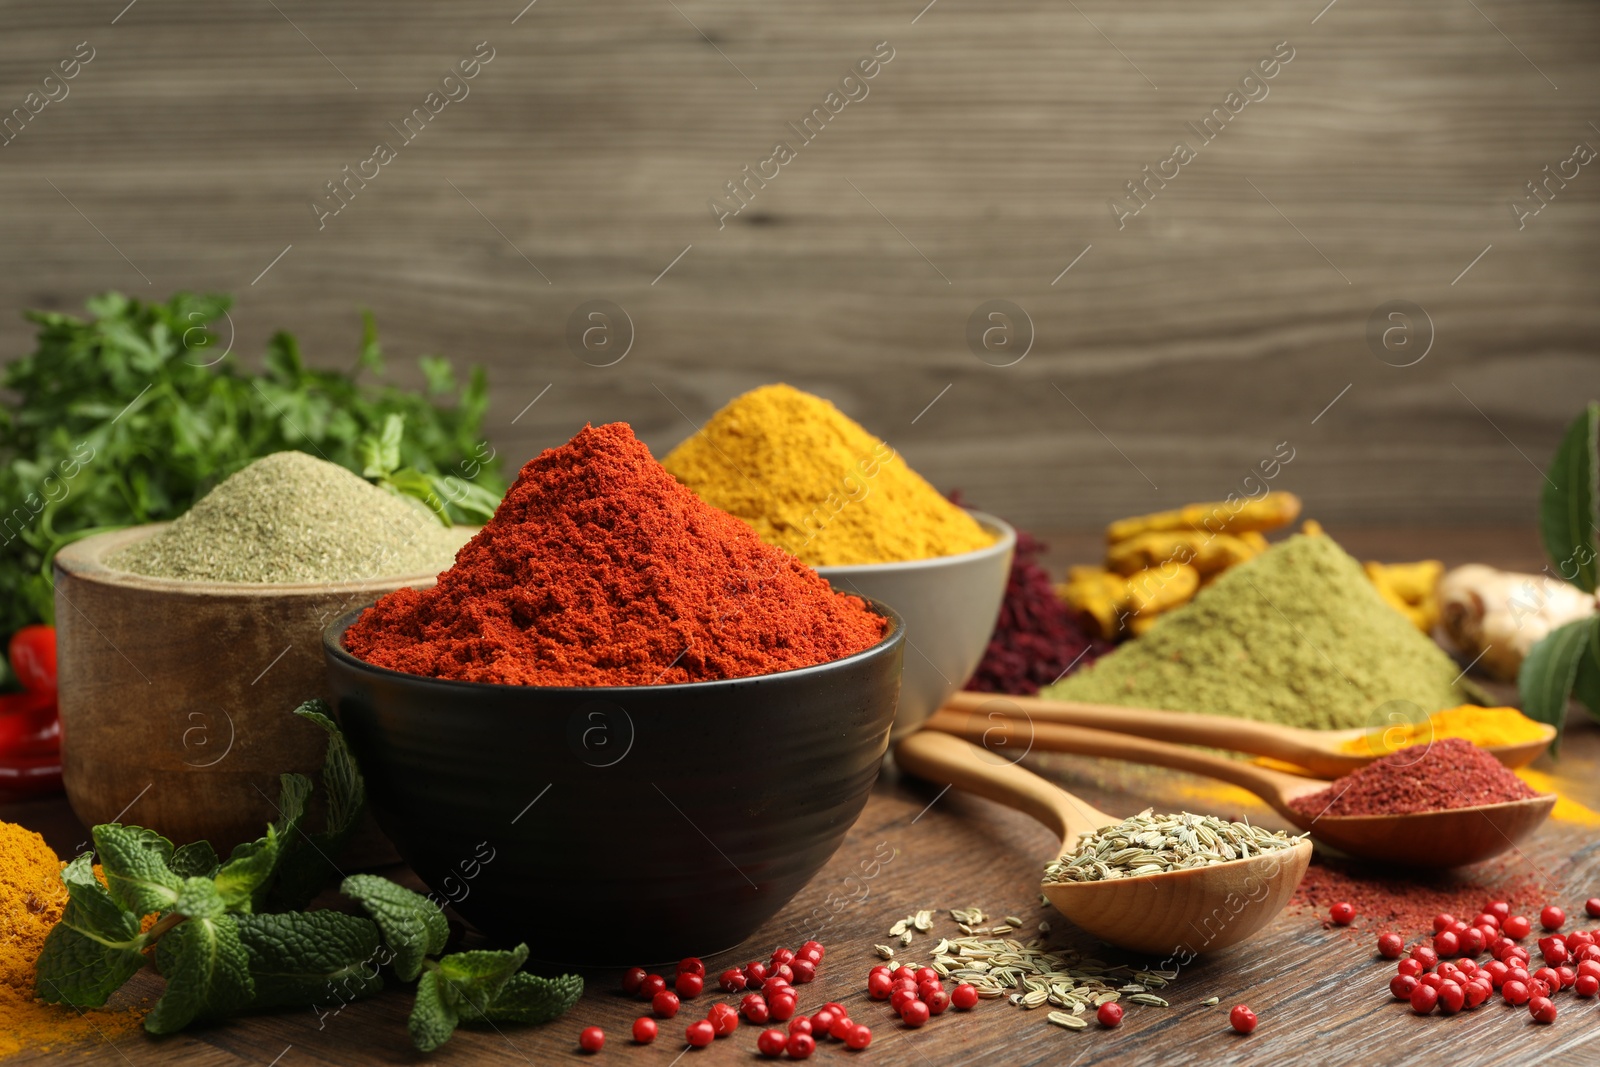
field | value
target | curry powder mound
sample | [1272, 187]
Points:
[31, 901]
[1297, 635]
[814, 483]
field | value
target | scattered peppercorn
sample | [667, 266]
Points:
[1542, 1009]
[1552, 917]
[592, 1039]
[644, 1030]
[1342, 913]
[1390, 946]
[771, 1043]
[1242, 1019]
[1109, 1014]
[1517, 927]
[1592, 906]
[799, 1046]
[700, 1034]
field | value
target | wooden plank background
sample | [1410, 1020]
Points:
[1173, 356]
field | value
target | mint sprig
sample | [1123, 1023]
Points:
[222, 954]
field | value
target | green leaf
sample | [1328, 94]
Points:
[1547, 675]
[1586, 684]
[294, 791]
[248, 869]
[1569, 506]
[207, 971]
[475, 978]
[412, 483]
[371, 357]
[194, 860]
[135, 867]
[94, 949]
[438, 373]
[527, 998]
[413, 926]
[341, 778]
[306, 862]
[433, 1016]
[300, 959]
[473, 500]
[199, 899]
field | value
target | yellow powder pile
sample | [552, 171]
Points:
[1484, 727]
[31, 901]
[813, 482]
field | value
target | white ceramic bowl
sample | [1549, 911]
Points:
[949, 604]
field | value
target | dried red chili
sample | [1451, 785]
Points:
[599, 568]
[1037, 638]
[1452, 773]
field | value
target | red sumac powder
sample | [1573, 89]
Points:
[1451, 773]
[599, 568]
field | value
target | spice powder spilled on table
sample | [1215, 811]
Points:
[600, 569]
[1452, 773]
[32, 899]
[291, 517]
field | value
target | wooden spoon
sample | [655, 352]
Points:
[1177, 914]
[1318, 751]
[1449, 838]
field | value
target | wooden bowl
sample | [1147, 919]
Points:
[176, 696]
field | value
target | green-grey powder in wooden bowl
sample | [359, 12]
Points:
[1297, 635]
[290, 517]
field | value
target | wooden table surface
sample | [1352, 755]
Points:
[1321, 993]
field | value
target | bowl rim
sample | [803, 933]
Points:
[85, 559]
[1005, 541]
[333, 648]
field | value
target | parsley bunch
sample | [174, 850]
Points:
[223, 951]
[134, 414]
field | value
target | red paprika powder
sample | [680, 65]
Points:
[599, 568]
[1450, 773]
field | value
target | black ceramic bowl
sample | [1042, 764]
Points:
[619, 825]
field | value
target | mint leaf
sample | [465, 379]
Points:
[95, 947]
[306, 863]
[135, 867]
[207, 971]
[1547, 675]
[527, 998]
[247, 870]
[1586, 683]
[195, 860]
[433, 1016]
[474, 979]
[1569, 504]
[413, 926]
[299, 959]
[199, 899]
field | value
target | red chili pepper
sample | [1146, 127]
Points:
[29, 724]
[23, 777]
[33, 657]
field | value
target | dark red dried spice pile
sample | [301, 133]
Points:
[598, 568]
[1452, 773]
[1386, 900]
[1037, 637]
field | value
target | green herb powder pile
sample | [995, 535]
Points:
[1297, 635]
[291, 517]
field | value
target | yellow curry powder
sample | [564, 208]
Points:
[813, 482]
[1484, 727]
[31, 901]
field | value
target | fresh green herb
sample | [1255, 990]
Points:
[445, 494]
[1566, 662]
[133, 415]
[220, 956]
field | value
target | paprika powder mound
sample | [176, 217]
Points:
[599, 568]
[1450, 773]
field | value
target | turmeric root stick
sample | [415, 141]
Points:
[1268, 513]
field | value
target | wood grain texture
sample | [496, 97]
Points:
[1321, 993]
[1168, 361]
